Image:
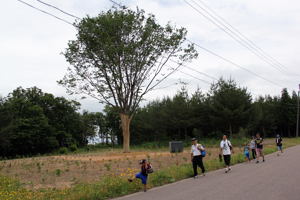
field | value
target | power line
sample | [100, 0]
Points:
[232, 34]
[61, 19]
[211, 52]
[197, 71]
[235, 64]
[164, 87]
[52, 6]
[242, 35]
[204, 81]
[223, 58]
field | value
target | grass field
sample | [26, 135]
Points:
[103, 173]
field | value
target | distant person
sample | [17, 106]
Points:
[253, 147]
[196, 157]
[226, 149]
[279, 144]
[259, 147]
[247, 152]
[146, 169]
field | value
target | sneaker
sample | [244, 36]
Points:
[195, 177]
[203, 174]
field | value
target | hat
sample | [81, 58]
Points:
[194, 139]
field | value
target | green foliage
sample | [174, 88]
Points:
[73, 147]
[33, 122]
[116, 52]
[230, 106]
[63, 150]
[57, 172]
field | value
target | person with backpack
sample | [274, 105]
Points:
[146, 168]
[253, 147]
[226, 150]
[197, 154]
[279, 144]
[259, 147]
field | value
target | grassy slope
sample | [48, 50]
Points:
[110, 187]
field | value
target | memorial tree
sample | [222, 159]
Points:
[120, 56]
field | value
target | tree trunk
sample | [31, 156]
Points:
[125, 124]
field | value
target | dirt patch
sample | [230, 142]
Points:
[67, 170]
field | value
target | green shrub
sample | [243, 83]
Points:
[57, 172]
[73, 147]
[63, 150]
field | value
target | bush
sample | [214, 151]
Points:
[63, 150]
[73, 147]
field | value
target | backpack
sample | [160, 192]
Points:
[149, 169]
[203, 152]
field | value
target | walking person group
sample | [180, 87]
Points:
[198, 152]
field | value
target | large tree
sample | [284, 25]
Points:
[120, 55]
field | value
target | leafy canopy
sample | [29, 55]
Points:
[120, 55]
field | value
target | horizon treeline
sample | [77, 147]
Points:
[33, 122]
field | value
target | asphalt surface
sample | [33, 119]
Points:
[276, 179]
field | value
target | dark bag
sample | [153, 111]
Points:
[149, 169]
[230, 147]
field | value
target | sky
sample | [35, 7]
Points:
[31, 44]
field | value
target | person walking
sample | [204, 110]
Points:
[246, 152]
[259, 147]
[279, 144]
[253, 147]
[226, 149]
[196, 157]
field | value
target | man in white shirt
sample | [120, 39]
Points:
[226, 150]
[196, 157]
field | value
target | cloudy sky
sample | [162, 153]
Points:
[31, 43]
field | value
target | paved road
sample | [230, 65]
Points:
[276, 179]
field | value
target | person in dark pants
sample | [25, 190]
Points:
[196, 157]
[226, 149]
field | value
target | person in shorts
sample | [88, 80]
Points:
[247, 152]
[279, 144]
[253, 147]
[143, 175]
[259, 147]
[226, 149]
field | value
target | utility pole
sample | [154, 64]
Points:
[297, 128]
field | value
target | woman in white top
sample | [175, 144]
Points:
[226, 150]
[253, 147]
[196, 157]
